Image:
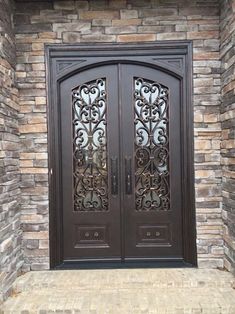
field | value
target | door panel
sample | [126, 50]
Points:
[121, 164]
[150, 103]
[90, 152]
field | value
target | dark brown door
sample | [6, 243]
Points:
[121, 164]
[150, 159]
[90, 169]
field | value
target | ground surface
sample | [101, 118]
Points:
[134, 291]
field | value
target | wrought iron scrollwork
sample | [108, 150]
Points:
[90, 147]
[151, 102]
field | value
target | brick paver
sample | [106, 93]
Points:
[134, 291]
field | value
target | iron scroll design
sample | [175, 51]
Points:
[90, 146]
[151, 106]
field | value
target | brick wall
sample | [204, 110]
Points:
[228, 128]
[10, 234]
[39, 23]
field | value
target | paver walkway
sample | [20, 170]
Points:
[134, 291]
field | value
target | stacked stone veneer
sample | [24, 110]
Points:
[228, 128]
[23, 112]
[10, 234]
[39, 23]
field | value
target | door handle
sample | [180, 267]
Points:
[128, 175]
[114, 176]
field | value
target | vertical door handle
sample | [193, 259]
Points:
[114, 176]
[128, 175]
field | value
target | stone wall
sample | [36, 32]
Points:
[228, 128]
[39, 23]
[10, 234]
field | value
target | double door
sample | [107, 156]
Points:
[121, 173]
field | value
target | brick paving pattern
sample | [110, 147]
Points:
[132, 291]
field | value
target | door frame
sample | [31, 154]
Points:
[174, 57]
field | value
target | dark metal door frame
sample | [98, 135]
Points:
[172, 57]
